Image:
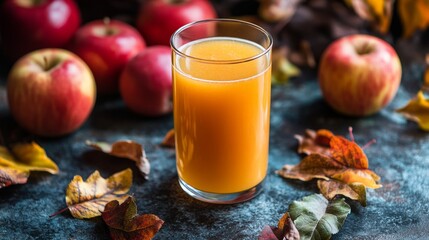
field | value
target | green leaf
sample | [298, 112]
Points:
[317, 218]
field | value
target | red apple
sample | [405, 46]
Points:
[27, 25]
[146, 82]
[51, 92]
[106, 46]
[359, 74]
[159, 19]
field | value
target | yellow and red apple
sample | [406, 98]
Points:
[359, 74]
[106, 46]
[51, 92]
[146, 82]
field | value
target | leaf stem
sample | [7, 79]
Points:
[59, 212]
[352, 138]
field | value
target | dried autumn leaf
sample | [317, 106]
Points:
[317, 218]
[378, 12]
[124, 223]
[27, 157]
[315, 142]
[125, 149]
[417, 110]
[283, 69]
[88, 199]
[285, 230]
[169, 139]
[347, 162]
[331, 188]
[10, 176]
[414, 15]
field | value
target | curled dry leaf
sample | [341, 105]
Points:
[17, 162]
[378, 12]
[331, 188]
[27, 157]
[414, 15]
[285, 230]
[169, 139]
[417, 110]
[10, 176]
[314, 142]
[317, 218]
[87, 199]
[125, 149]
[124, 223]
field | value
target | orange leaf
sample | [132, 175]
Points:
[169, 139]
[10, 176]
[378, 12]
[331, 188]
[348, 153]
[364, 176]
[125, 149]
[124, 223]
[314, 142]
[417, 110]
[414, 15]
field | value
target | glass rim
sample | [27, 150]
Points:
[241, 60]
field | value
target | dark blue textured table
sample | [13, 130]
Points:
[399, 210]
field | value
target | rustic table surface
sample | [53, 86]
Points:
[399, 210]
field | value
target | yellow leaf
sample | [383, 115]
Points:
[125, 149]
[332, 188]
[417, 110]
[86, 199]
[414, 15]
[27, 157]
[365, 177]
[378, 12]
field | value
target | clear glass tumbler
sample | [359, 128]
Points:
[221, 97]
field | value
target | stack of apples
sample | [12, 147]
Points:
[61, 66]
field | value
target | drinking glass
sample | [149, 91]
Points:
[221, 97]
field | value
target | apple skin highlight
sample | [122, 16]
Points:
[359, 75]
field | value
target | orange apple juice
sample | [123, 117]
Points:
[221, 114]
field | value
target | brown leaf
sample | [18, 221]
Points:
[169, 139]
[124, 223]
[315, 142]
[125, 149]
[27, 157]
[285, 230]
[331, 188]
[378, 12]
[87, 199]
[417, 110]
[414, 15]
[312, 166]
[10, 176]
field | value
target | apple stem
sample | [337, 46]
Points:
[176, 1]
[109, 30]
[45, 63]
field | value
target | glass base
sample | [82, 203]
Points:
[222, 198]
